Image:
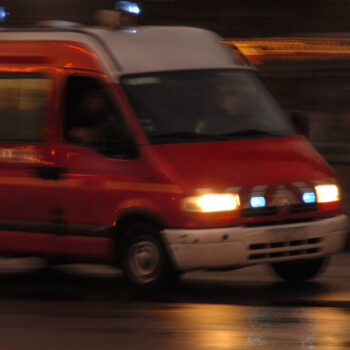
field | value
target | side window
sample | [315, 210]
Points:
[23, 99]
[92, 119]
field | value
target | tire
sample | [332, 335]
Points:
[301, 270]
[145, 262]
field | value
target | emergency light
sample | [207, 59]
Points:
[257, 202]
[3, 14]
[128, 6]
[309, 197]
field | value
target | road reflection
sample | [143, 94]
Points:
[240, 327]
[20, 280]
[95, 309]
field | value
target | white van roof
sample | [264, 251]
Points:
[141, 49]
[152, 49]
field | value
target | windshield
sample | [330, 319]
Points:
[202, 106]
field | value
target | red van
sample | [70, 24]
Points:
[154, 149]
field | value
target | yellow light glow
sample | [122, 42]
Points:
[327, 193]
[210, 203]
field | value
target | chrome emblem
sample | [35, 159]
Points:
[283, 204]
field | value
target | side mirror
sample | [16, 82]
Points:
[300, 121]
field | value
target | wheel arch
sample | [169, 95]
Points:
[126, 218]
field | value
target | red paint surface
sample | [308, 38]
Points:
[29, 55]
[96, 190]
[249, 162]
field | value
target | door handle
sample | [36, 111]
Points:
[47, 172]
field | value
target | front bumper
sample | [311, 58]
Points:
[233, 247]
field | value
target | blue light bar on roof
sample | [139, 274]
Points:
[3, 14]
[128, 6]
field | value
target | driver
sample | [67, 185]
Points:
[93, 118]
[214, 117]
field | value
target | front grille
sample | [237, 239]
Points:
[293, 251]
[257, 212]
[280, 222]
[303, 208]
[284, 254]
[271, 211]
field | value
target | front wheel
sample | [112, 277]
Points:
[145, 262]
[301, 270]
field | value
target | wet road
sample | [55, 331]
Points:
[88, 307]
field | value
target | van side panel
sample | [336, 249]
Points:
[60, 54]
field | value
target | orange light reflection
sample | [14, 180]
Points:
[81, 49]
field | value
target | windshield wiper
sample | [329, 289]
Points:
[189, 135]
[251, 132]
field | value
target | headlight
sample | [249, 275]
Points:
[210, 203]
[327, 193]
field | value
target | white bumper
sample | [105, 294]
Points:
[233, 247]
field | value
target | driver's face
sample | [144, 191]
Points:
[93, 102]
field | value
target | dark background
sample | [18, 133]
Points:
[230, 18]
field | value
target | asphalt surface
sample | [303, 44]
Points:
[92, 307]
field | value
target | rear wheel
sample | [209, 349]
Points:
[145, 261]
[301, 270]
